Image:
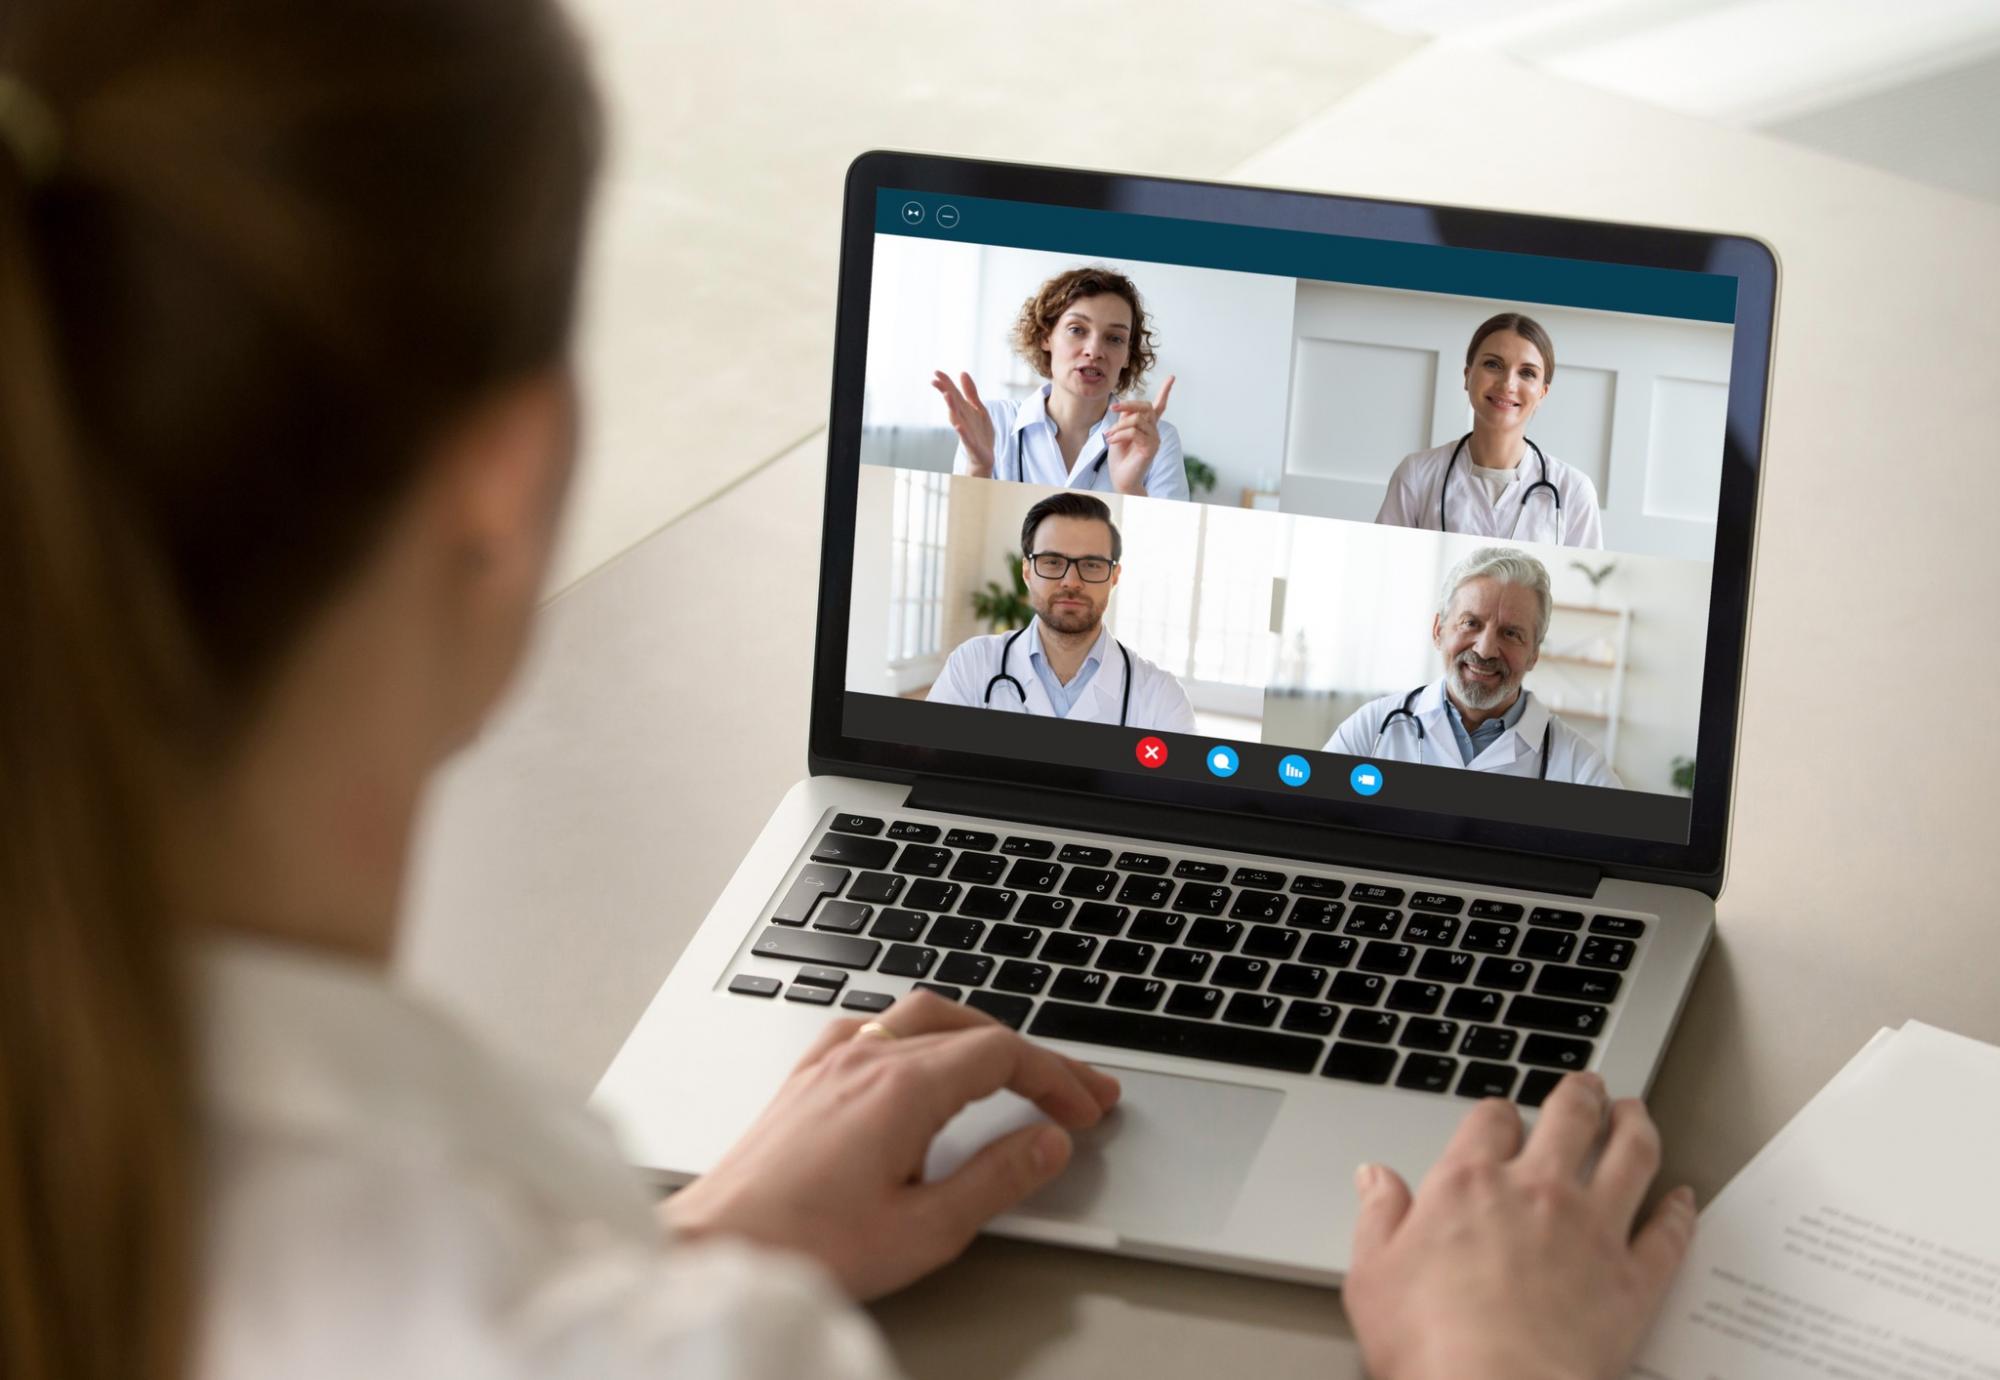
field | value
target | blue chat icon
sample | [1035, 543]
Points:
[1366, 779]
[1295, 770]
[1221, 760]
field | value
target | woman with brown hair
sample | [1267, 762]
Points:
[1085, 331]
[286, 417]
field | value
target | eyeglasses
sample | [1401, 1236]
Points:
[1094, 570]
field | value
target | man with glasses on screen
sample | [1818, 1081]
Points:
[1065, 664]
[1492, 614]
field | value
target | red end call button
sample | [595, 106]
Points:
[1151, 752]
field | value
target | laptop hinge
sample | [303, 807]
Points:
[1232, 833]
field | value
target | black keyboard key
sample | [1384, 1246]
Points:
[922, 860]
[1237, 971]
[833, 979]
[1310, 1017]
[1554, 1052]
[1029, 875]
[1382, 957]
[1489, 937]
[855, 824]
[987, 903]
[1190, 870]
[913, 833]
[1258, 905]
[1486, 1080]
[1047, 911]
[1084, 855]
[1311, 913]
[842, 917]
[1597, 951]
[858, 1000]
[1220, 935]
[810, 996]
[1011, 941]
[1495, 910]
[814, 881]
[1549, 946]
[1447, 965]
[750, 985]
[1151, 863]
[1137, 993]
[1080, 984]
[1562, 1017]
[1358, 989]
[1376, 1027]
[1436, 1036]
[1145, 891]
[909, 960]
[1123, 956]
[1317, 886]
[972, 839]
[1027, 978]
[1472, 1004]
[1505, 974]
[1090, 884]
[846, 850]
[965, 970]
[945, 990]
[1537, 1086]
[1298, 980]
[904, 925]
[1183, 965]
[932, 896]
[1230, 1044]
[1373, 922]
[1199, 898]
[980, 869]
[1332, 950]
[1430, 929]
[1375, 894]
[1489, 1042]
[880, 887]
[1063, 947]
[1017, 847]
[1261, 878]
[1427, 1073]
[1094, 917]
[1359, 1063]
[1561, 919]
[1249, 1008]
[1617, 926]
[1437, 903]
[1158, 926]
[1009, 1011]
[1576, 983]
[1270, 941]
[1407, 994]
[1194, 1001]
[954, 932]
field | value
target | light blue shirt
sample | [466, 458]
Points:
[1471, 744]
[1025, 449]
[1063, 697]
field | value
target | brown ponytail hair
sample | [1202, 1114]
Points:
[283, 245]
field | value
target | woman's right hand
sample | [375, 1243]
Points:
[970, 419]
[834, 1166]
[1523, 1264]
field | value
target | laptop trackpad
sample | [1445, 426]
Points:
[1168, 1161]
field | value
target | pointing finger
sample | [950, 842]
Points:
[1160, 403]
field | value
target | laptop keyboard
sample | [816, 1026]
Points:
[1434, 990]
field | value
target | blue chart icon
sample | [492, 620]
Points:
[1222, 760]
[1295, 770]
[1366, 779]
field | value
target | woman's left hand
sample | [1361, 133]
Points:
[1132, 442]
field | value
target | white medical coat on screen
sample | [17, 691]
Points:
[1469, 507]
[1158, 702]
[1025, 449]
[1572, 757]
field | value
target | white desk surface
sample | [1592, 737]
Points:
[571, 854]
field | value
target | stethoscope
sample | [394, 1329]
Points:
[1124, 700]
[1406, 712]
[1021, 453]
[1542, 483]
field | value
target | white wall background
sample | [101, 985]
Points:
[1224, 337]
[1636, 403]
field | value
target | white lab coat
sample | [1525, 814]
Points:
[1572, 757]
[1158, 702]
[386, 1199]
[1025, 449]
[1412, 500]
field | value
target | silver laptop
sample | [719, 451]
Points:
[1337, 735]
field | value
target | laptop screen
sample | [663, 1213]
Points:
[1395, 525]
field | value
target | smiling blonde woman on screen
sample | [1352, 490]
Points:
[285, 421]
[1494, 481]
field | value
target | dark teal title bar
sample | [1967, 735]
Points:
[1504, 277]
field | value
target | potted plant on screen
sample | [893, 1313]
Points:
[1004, 607]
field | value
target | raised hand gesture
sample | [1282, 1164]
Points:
[970, 419]
[1134, 440]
